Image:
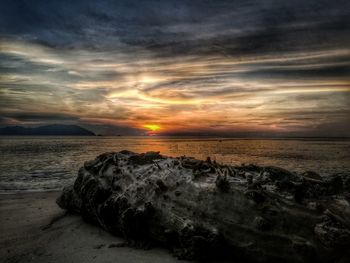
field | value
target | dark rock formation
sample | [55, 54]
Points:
[202, 210]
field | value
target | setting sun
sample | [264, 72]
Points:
[152, 127]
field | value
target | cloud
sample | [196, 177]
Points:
[38, 116]
[188, 66]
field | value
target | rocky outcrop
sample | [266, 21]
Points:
[202, 210]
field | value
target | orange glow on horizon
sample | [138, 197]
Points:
[152, 127]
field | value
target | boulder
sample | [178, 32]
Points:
[204, 210]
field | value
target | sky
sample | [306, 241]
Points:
[185, 67]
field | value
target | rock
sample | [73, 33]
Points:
[261, 223]
[69, 200]
[204, 210]
[312, 175]
[332, 234]
[222, 183]
[279, 174]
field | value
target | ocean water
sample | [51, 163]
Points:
[49, 163]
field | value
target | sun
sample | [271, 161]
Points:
[152, 127]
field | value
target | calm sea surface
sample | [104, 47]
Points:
[48, 163]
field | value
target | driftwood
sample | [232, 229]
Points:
[202, 210]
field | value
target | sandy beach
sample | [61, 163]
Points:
[34, 229]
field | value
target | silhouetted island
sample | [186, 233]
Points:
[55, 129]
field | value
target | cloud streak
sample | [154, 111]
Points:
[214, 67]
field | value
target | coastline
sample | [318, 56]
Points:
[34, 229]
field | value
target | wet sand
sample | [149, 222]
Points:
[34, 229]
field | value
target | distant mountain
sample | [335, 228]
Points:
[55, 129]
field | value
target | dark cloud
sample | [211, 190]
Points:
[38, 116]
[132, 61]
[35, 118]
[178, 27]
[319, 71]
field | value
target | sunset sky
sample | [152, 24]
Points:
[166, 67]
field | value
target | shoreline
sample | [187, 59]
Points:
[34, 229]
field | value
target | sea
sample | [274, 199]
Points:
[50, 163]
